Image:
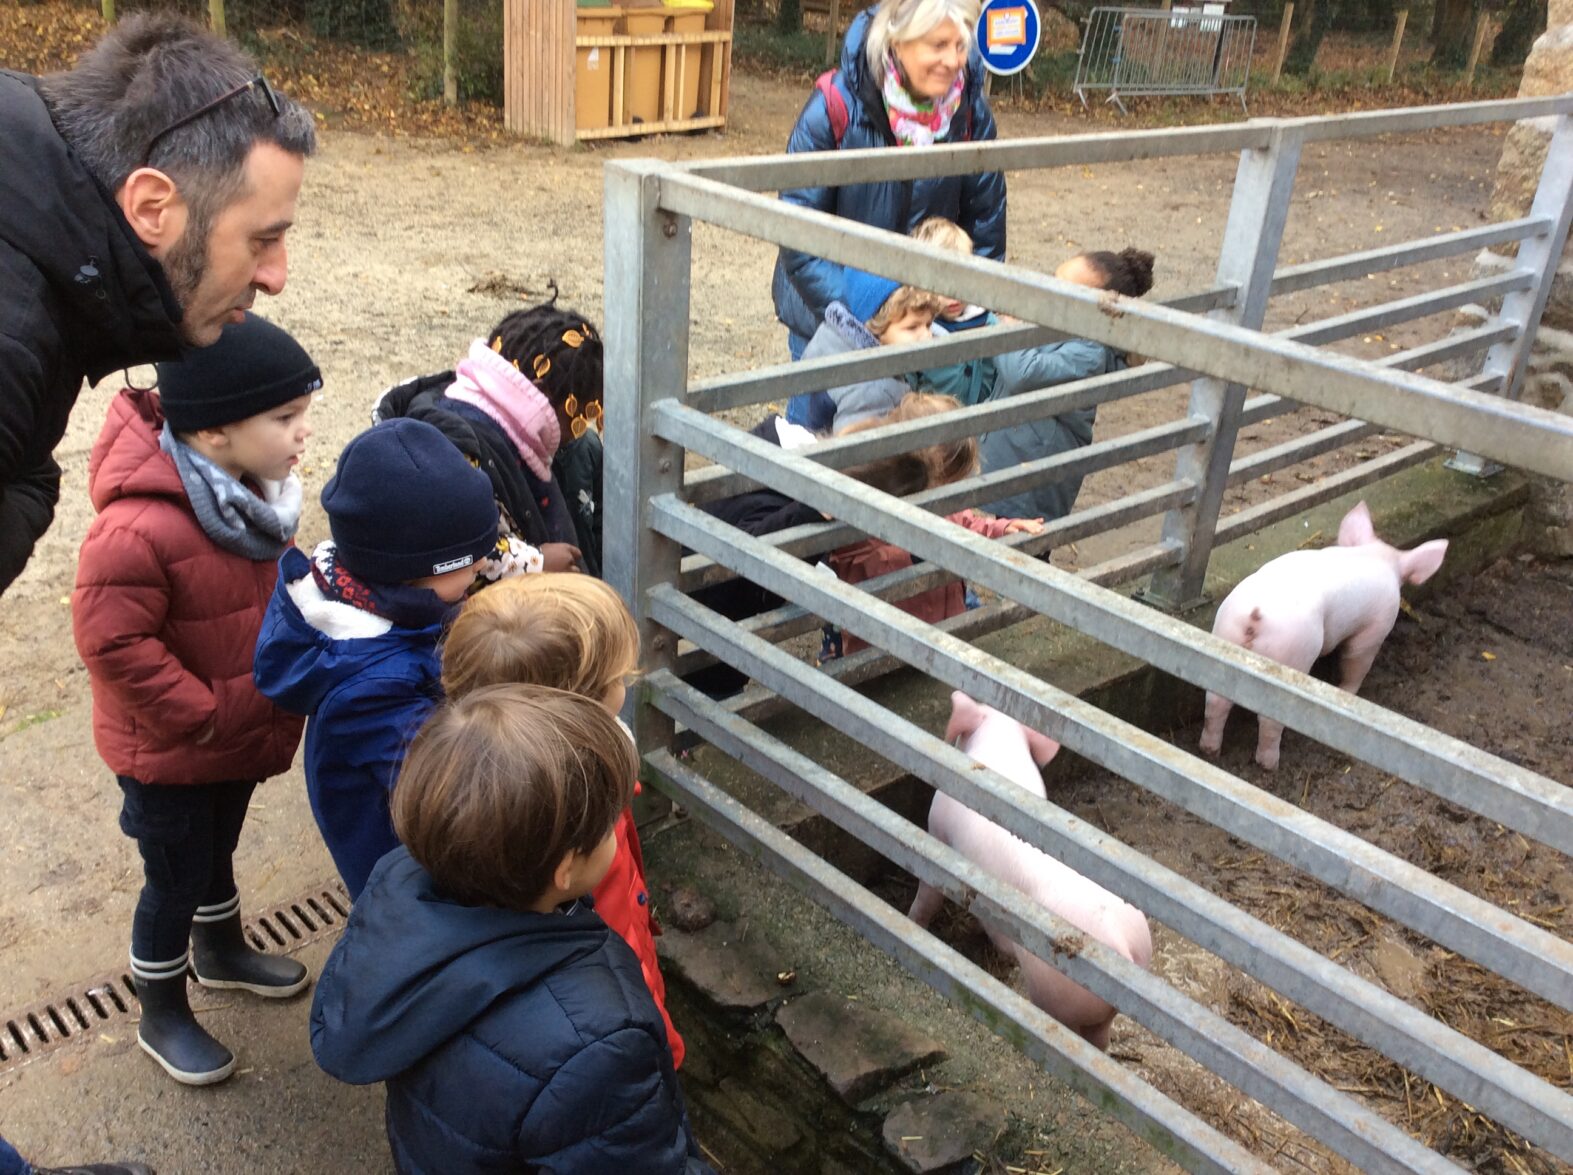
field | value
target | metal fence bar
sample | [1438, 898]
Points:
[1352, 1130]
[1541, 256]
[1140, 51]
[1292, 452]
[1263, 185]
[1478, 1076]
[1253, 518]
[1294, 278]
[740, 389]
[872, 165]
[1523, 800]
[648, 264]
[1538, 440]
[710, 483]
[1064, 1055]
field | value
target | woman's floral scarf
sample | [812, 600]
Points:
[918, 123]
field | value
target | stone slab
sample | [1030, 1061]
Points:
[935, 1134]
[859, 1050]
[733, 968]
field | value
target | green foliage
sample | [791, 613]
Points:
[361, 22]
[477, 49]
[763, 47]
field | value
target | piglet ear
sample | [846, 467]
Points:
[966, 715]
[1421, 564]
[1356, 529]
[1041, 747]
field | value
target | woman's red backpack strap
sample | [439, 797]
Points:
[835, 104]
[836, 107]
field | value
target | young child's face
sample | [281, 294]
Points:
[953, 309]
[912, 327]
[615, 697]
[267, 445]
[589, 869]
[450, 586]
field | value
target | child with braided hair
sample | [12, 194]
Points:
[525, 407]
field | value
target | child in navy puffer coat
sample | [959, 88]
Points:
[350, 636]
[512, 1028]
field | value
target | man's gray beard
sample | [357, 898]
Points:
[184, 267]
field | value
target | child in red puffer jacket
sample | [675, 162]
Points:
[573, 633]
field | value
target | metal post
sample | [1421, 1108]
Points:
[647, 312]
[1262, 188]
[1398, 43]
[1539, 255]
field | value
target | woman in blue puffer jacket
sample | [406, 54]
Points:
[910, 75]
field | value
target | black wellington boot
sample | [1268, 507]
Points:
[221, 957]
[170, 1034]
[97, 1169]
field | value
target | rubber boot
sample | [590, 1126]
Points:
[97, 1169]
[169, 1033]
[221, 956]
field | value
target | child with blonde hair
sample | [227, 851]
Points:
[573, 633]
[944, 464]
[508, 1024]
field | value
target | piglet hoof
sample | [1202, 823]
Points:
[1210, 746]
[1269, 762]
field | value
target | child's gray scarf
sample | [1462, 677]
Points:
[230, 514]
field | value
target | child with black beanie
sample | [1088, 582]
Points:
[350, 637]
[196, 500]
[525, 406]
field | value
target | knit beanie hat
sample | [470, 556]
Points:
[253, 367]
[405, 504]
[864, 293]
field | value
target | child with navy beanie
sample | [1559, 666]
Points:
[350, 636]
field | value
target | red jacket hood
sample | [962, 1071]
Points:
[127, 461]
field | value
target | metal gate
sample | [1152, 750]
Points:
[656, 415]
[1140, 51]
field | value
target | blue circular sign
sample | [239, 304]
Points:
[1008, 35]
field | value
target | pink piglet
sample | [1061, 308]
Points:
[1305, 604]
[1006, 746]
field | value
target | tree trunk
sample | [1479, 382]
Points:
[789, 17]
[1525, 20]
[1374, 16]
[1453, 29]
[1318, 17]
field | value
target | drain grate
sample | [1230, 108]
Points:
[45, 1026]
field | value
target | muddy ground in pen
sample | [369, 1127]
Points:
[406, 249]
[1490, 663]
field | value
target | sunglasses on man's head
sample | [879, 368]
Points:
[258, 83]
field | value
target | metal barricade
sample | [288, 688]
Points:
[656, 416]
[1137, 51]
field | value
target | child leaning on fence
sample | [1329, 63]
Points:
[525, 407]
[574, 633]
[512, 1028]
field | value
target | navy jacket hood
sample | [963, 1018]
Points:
[417, 969]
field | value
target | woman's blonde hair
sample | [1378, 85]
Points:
[502, 784]
[571, 632]
[897, 21]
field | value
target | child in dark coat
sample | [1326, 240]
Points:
[197, 498]
[525, 406]
[350, 637]
[513, 1030]
[574, 633]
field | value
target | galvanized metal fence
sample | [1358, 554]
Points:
[656, 414]
[1144, 51]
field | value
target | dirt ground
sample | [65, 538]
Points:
[1491, 663]
[406, 249]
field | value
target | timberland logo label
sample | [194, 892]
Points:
[453, 565]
